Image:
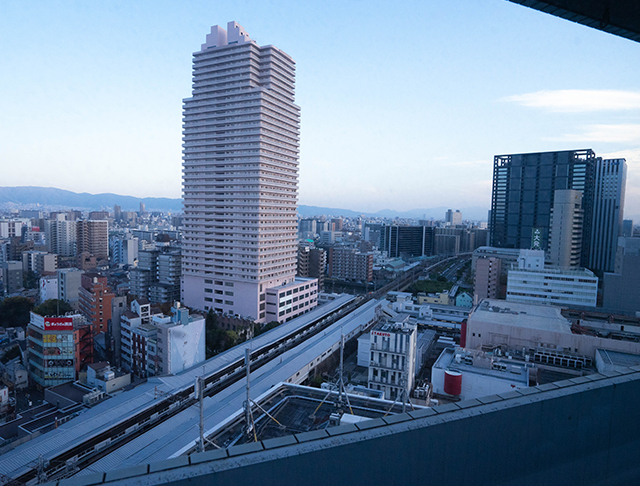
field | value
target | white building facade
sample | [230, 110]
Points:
[240, 175]
[393, 359]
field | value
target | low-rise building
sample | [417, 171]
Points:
[472, 374]
[291, 300]
[464, 299]
[537, 330]
[531, 282]
[553, 286]
[393, 358]
[440, 298]
[180, 341]
[57, 348]
[102, 376]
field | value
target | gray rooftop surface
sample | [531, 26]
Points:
[531, 316]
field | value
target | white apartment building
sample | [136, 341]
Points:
[11, 228]
[138, 315]
[47, 288]
[180, 341]
[124, 249]
[240, 175]
[393, 358]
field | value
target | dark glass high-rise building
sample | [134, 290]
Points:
[523, 193]
[607, 214]
[407, 241]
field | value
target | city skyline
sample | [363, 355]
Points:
[390, 101]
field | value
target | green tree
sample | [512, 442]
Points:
[53, 307]
[262, 328]
[30, 280]
[14, 311]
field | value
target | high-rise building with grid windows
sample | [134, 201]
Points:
[240, 179]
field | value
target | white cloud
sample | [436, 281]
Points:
[579, 100]
[621, 133]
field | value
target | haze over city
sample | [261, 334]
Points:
[403, 106]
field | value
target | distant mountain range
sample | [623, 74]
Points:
[50, 198]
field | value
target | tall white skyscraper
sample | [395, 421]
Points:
[240, 181]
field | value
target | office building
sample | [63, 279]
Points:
[523, 192]
[453, 218]
[530, 282]
[307, 228]
[240, 159]
[407, 241]
[446, 244]
[627, 228]
[291, 300]
[621, 288]
[608, 209]
[565, 236]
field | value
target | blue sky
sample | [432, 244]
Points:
[403, 106]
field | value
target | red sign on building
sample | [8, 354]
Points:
[58, 324]
[383, 334]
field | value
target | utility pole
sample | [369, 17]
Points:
[200, 396]
[341, 379]
[247, 403]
